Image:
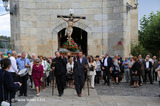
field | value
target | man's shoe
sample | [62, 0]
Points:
[104, 83]
[60, 94]
[80, 95]
[151, 82]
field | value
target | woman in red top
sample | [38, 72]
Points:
[37, 75]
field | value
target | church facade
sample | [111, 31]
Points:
[108, 27]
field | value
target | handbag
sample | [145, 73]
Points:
[91, 68]
[4, 103]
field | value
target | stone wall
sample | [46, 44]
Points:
[36, 25]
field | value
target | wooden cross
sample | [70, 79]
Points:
[69, 16]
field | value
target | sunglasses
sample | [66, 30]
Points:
[36, 62]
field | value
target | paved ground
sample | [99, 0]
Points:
[123, 89]
[107, 96]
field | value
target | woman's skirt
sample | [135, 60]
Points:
[37, 82]
[135, 78]
[115, 73]
[44, 77]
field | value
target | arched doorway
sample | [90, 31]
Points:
[79, 36]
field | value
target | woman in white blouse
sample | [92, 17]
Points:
[45, 66]
[70, 76]
[92, 70]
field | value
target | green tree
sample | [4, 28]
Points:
[6, 38]
[149, 35]
[138, 49]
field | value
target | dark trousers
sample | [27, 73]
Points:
[15, 78]
[23, 88]
[140, 76]
[79, 83]
[154, 75]
[48, 81]
[97, 77]
[31, 80]
[140, 81]
[106, 72]
[149, 75]
[60, 80]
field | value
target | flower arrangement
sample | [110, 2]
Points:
[73, 47]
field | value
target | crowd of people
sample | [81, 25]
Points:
[72, 71]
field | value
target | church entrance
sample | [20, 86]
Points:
[79, 36]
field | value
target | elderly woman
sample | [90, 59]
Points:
[37, 75]
[135, 71]
[115, 71]
[7, 86]
[45, 66]
[70, 76]
[158, 72]
[92, 70]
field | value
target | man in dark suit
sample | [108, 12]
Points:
[59, 67]
[107, 68]
[80, 64]
[142, 62]
[155, 64]
[148, 67]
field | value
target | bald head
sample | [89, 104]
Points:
[126, 58]
[14, 52]
[154, 57]
[140, 56]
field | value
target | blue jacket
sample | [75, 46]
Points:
[9, 86]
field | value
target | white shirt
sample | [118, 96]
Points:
[30, 70]
[81, 60]
[106, 62]
[44, 64]
[69, 66]
[151, 60]
[147, 64]
[13, 67]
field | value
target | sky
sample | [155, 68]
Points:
[145, 8]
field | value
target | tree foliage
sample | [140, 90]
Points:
[149, 35]
[5, 38]
[136, 50]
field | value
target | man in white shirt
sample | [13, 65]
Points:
[13, 70]
[107, 68]
[148, 67]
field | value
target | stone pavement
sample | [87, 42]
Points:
[70, 98]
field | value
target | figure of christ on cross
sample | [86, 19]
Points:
[70, 22]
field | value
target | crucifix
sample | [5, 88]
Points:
[70, 22]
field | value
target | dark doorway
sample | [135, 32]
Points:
[78, 35]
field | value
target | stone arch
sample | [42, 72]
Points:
[59, 26]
